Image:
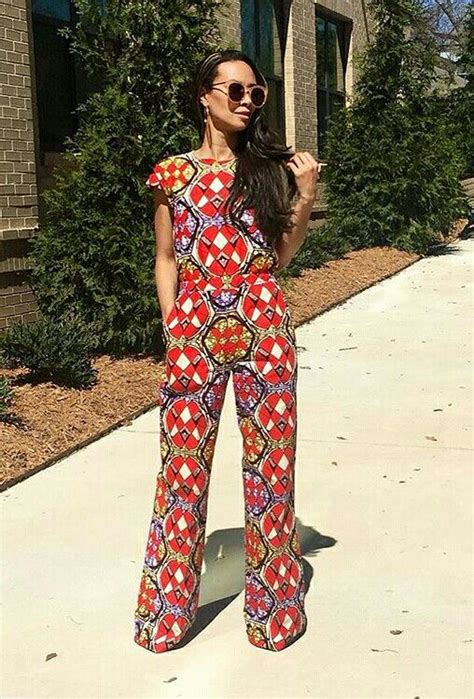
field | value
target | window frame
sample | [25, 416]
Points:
[276, 83]
[77, 88]
[343, 34]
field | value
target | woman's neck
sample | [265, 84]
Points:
[220, 151]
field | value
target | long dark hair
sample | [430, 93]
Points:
[261, 181]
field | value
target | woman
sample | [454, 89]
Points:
[224, 226]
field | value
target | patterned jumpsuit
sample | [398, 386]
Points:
[229, 316]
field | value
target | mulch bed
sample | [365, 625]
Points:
[53, 421]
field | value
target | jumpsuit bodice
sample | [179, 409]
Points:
[207, 244]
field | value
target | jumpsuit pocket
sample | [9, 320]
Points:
[167, 320]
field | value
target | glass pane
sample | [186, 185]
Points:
[247, 28]
[265, 27]
[55, 86]
[320, 62]
[277, 48]
[261, 41]
[334, 65]
[59, 9]
[274, 106]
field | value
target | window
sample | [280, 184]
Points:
[331, 63]
[61, 84]
[262, 36]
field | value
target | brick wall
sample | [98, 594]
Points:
[229, 24]
[18, 190]
[300, 74]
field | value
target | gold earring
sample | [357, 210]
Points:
[206, 112]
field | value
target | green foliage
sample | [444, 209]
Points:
[5, 397]
[458, 104]
[3, 360]
[393, 164]
[319, 246]
[94, 254]
[58, 351]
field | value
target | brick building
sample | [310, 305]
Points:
[304, 48]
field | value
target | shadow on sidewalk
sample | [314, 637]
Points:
[223, 578]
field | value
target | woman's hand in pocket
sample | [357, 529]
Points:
[167, 314]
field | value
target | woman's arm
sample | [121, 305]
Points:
[306, 171]
[290, 242]
[166, 275]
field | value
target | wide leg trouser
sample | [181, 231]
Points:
[260, 354]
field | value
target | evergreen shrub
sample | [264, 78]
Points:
[57, 351]
[394, 165]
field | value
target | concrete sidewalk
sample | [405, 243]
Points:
[384, 507]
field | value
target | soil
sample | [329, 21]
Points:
[48, 422]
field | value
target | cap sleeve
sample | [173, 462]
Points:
[156, 177]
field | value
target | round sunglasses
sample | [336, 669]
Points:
[236, 92]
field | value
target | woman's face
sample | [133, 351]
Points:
[225, 114]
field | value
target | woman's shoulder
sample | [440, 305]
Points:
[171, 160]
[164, 171]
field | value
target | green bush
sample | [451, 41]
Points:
[458, 104]
[95, 250]
[58, 351]
[3, 359]
[394, 165]
[5, 397]
[320, 245]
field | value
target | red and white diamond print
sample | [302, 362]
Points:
[229, 318]
[181, 529]
[177, 582]
[275, 359]
[263, 306]
[189, 316]
[285, 625]
[282, 574]
[278, 524]
[221, 249]
[188, 477]
[277, 415]
[186, 423]
[277, 469]
[169, 628]
[187, 369]
[210, 192]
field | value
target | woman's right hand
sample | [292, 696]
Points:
[165, 315]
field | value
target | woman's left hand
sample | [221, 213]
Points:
[306, 171]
